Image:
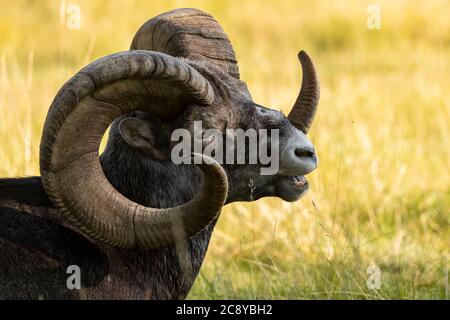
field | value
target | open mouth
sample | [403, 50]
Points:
[300, 181]
[291, 188]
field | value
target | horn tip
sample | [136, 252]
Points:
[302, 55]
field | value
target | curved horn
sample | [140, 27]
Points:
[188, 33]
[78, 117]
[304, 109]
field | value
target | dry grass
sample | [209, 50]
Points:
[381, 194]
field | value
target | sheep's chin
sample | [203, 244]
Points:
[291, 188]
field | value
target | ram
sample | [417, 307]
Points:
[135, 224]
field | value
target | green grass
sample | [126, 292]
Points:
[381, 194]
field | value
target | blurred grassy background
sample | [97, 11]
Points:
[381, 194]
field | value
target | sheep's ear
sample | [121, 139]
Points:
[137, 134]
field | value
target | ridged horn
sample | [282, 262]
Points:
[78, 117]
[188, 33]
[304, 109]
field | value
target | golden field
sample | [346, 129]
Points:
[381, 194]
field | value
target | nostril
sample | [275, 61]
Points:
[304, 153]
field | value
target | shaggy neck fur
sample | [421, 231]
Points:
[168, 272]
